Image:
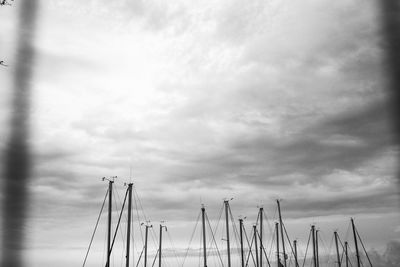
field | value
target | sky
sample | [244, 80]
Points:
[200, 101]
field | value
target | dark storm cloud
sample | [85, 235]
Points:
[343, 141]
[381, 200]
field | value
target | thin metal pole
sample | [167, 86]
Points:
[145, 245]
[160, 246]
[241, 241]
[203, 210]
[316, 247]
[313, 243]
[355, 243]
[128, 234]
[277, 245]
[261, 234]
[295, 253]
[109, 223]
[282, 234]
[337, 249]
[255, 243]
[228, 247]
[346, 245]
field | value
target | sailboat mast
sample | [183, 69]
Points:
[227, 231]
[261, 234]
[277, 244]
[128, 234]
[145, 244]
[316, 247]
[295, 253]
[282, 234]
[241, 241]
[203, 211]
[160, 245]
[255, 243]
[337, 248]
[109, 222]
[355, 243]
[313, 243]
[346, 245]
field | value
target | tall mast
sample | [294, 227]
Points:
[203, 211]
[255, 243]
[316, 247]
[346, 245]
[128, 234]
[277, 244]
[160, 242]
[337, 249]
[241, 242]
[282, 234]
[227, 231]
[110, 182]
[145, 244]
[355, 243]
[295, 253]
[261, 234]
[313, 243]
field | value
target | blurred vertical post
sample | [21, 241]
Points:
[391, 29]
[17, 155]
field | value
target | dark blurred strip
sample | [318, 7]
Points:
[391, 29]
[17, 157]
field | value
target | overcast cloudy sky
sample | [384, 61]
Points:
[201, 101]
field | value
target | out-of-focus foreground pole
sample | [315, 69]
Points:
[391, 28]
[17, 155]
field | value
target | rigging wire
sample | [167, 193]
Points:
[120, 228]
[199, 261]
[155, 258]
[289, 241]
[268, 222]
[269, 226]
[235, 231]
[308, 243]
[363, 247]
[330, 249]
[173, 248]
[263, 249]
[191, 238]
[119, 220]
[272, 243]
[274, 217]
[152, 231]
[140, 256]
[215, 229]
[138, 215]
[213, 238]
[351, 253]
[343, 249]
[348, 231]
[219, 219]
[250, 251]
[104, 248]
[95, 228]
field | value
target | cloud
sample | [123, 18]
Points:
[205, 100]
